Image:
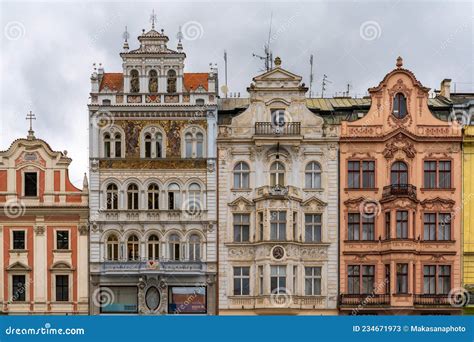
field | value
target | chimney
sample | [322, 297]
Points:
[445, 88]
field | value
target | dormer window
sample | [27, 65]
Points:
[278, 117]
[153, 81]
[399, 106]
[171, 88]
[134, 81]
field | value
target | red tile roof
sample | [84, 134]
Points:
[192, 80]
[113, 81]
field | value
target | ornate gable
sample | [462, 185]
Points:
[314, 203]
[241, 204]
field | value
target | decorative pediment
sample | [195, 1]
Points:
[278, 74]
[438, 203]
[314, 203]
[61, 266]
[18, 266]
[241, 204]
[400, 142]
[354, 203]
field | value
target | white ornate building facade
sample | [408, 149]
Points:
[43, 232]
[278, 203]
[153, 184]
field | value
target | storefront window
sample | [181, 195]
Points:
[187, 300]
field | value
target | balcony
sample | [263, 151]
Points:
[269, 129]
[144, 215]
[399, 190]
[162, 265]
[370, 300]
[431, 300]
[277, 191]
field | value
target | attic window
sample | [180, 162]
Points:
[106, 102]
[399, 106]
[200, 102]
[31, 184]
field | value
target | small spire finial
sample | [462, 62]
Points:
[180, 36]
[399, 62]
[277, 61]
[30, 116]
[125, 36]
[153, 19]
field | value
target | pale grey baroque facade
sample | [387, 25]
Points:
[278, 203]
[153, 189]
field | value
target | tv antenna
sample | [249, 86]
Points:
[268, 55]
[324, 84]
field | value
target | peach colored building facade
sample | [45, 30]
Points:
[400, 202]
[43, 232]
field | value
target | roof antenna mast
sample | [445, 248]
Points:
[311, 75]
[268, 58]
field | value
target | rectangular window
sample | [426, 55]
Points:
[123, 299]
[353, 279]
[313, 227]
[430, 174]
[260, 226]
[388, 225]
[241, 281]
[312, 281]
[444, 174]
[260, 280]
[278, 225]
[62, 239]
[31, 184]
[444, 226]
[186, 300]
[402, 278]
[353, 176]
[295, 226]
[368, 228]
[361, 175]
[241, 227]
[368, 279]
[62, 288]
[277, 279]
[368, 174]
[429, 279]
[402, 224]
[19, 239]
[295, 272]
[429, 232]
[18, 288]
[353, 226]
[388, 280]
[437, 174]
[444, 279]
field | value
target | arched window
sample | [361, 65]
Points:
[153, 247]
[277, 174]
[173, 196]
[175, 247]
[158, 145]
[112, 197]
[112, 248]
[194, 198]
[171, 81]
[189, 145]
[134, 81]
[132, 197]
[199, 144]
[195, 247]
[194, 145]
[153, 81]
[313, 176]
[148, 145]
[399, 173]
[241, 176]
[107, 150]
[132, 248]
[399, 106]
[200, 102]
[118, 145]
[153, 196]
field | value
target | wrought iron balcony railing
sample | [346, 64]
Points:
[431, 299]
[287, 129]
[370, 299]
[399, 190]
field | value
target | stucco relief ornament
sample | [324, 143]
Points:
[39, 230]
[83, 229]
[278, 252]
[399, 143]
[94, 165]
[211, 166]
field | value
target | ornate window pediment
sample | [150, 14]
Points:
[438, 203]
[18, 266]
[400, 142]
[314, 204]
[61, 266]
[241, 204]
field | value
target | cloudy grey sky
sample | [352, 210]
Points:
[48, 48]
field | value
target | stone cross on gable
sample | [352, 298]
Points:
[30, 116]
